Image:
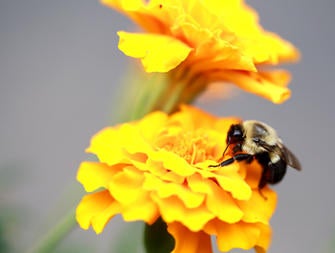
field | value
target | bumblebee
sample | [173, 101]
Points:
[251, 140]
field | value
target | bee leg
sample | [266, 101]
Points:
[266, 174]
[261, 193]
[238, 157]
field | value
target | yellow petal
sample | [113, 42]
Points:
[93, 175]
[228, 178]
[187, 241]
[106, 145]
[143, 209]
[112, 145]
[96, 209]
[199, 184]
[173, 162]
[235, 185]
[222, 205]
[150, 124]
[172, 209]
[126, 185]
[158, 53]
[168, 189]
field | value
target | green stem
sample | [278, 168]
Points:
[157, 239]
[52, 238]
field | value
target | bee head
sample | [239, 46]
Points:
[235, 134]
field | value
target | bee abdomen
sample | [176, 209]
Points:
[272, 172]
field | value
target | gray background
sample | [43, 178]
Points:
[60, 76]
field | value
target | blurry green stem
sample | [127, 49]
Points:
[51, 239]
[157, 239]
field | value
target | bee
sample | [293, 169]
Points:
[253, 139]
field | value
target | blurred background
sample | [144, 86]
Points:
[61, 77]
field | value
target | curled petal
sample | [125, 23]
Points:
[172, 209]
[158, 53]
[257, 208]
[143, 209]
[188, 241]
[259, 84]
[173, 162]
[222, 205]
[167, 189]
[93, 175]
[238, 235]
[96, 209]
[125, 185]
[228, 178]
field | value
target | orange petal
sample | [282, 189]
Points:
[158, 53]
[96, 209]
[187, 241]
[222, 205]
[256, 83]
[238, 235]
[258, 209]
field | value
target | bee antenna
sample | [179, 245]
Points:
[225, 149]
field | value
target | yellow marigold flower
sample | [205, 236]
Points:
[159, 167]
[207, 41]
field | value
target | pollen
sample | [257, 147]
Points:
[194, 146]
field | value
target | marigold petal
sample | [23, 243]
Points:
[236, 186]
[252, 173]
[222, 205]
[112, 145]
[172, 209]
[96, 209]
[238, 235]
[255, 82]
[156, 168]
[191, 116]
[173, 162]
[257, 208]
[125, 186]
[167, 189]
[264, 239]
[143, 209]
[158, 53]
[150, 123]
[187, 241]
[93, 175]
[228, 178]
[199, 184]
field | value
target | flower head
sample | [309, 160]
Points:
[207, 41]
[159, 167]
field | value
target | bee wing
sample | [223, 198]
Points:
[290, 158]
[283, 152]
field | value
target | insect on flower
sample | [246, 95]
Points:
[256, 140]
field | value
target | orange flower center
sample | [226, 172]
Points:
[193, 146]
